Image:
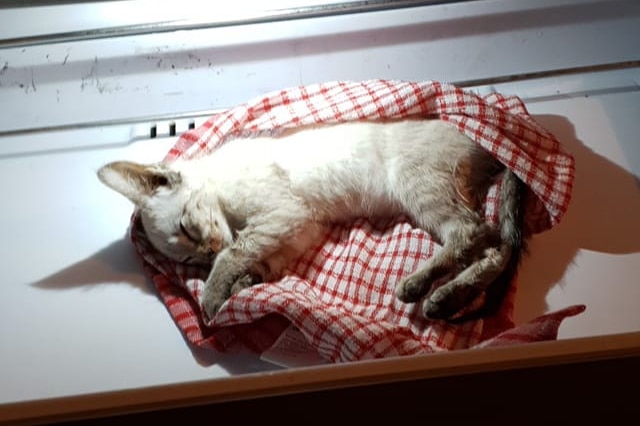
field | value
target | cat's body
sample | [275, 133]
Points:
[253, 205]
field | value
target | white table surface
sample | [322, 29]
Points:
[78, 316]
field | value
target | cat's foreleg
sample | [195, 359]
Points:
[228, 270]
[235, 266]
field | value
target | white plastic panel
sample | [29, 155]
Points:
[77, 314]
[45, 18]
[167, 73]
[593, 256]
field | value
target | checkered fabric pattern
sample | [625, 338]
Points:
[340, 293]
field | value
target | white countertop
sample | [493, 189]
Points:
[78, 317]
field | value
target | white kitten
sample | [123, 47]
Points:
[254, 204]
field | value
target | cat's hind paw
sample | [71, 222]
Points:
[450, 302]
[411, 289]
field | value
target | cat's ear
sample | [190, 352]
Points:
[136, 181]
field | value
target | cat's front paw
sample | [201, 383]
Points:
[243, 282]
[227, 276]
[212, 300]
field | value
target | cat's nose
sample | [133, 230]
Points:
[215, 243]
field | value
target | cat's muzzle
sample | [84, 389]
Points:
[215, 244]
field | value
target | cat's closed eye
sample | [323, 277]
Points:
[191, 237]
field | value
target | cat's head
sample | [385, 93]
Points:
[180, 220]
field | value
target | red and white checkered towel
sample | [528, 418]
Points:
[340, 294]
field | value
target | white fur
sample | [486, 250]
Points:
[256, 203]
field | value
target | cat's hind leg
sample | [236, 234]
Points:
[454, 298]
[414, 287]
[461, 260]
